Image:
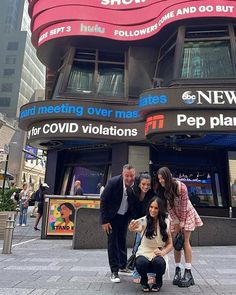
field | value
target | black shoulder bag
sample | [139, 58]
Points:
[131, 261]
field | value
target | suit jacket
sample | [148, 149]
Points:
[111, 198]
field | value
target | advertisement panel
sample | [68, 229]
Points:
[124, 25]
[61, 213]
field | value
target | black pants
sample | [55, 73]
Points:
[157, 265]
[117, 249]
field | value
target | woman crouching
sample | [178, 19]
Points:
[156, 242]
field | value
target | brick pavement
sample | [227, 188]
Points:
[51, 267]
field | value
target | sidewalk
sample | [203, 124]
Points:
[51, 267]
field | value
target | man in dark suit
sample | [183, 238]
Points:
[118, 206]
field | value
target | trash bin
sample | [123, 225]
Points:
[8, 234]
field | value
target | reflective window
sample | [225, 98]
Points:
[6, 87]
[207, 59]
[5, 101]
[200, 188]
[8, 72]
[232, 173]
[97, 72]
[90, 178]
[10, 59]
[12, 46]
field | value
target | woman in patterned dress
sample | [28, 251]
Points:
[183, 217]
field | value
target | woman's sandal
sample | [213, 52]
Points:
[136, 280]
[155, 288]
[145, 288]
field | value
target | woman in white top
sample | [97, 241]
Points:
[24, 203]
[155, 244]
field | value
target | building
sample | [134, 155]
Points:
[142, 81]
[21, 74]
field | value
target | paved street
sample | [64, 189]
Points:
[51, 267]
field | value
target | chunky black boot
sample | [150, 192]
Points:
[177, 276]
[187, 279]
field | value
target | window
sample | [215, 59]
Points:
[7, 87]
[201, 186]
[207, 59]
[12, 45]
[98, 73]
[10, 59]
[5, 101]
[8, 72]
[207, 53]
[232, 173]
[165, 62]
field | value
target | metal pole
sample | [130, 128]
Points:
[4, 178]
[8, 235]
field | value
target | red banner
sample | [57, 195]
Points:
[99, 27]
[125, 20]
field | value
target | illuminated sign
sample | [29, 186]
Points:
[120, 2]
[187, 121]
[215, 97]
[82, 129]
[115, 19]
[154, 122]
[158, 111]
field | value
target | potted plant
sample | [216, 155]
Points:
[7, 208]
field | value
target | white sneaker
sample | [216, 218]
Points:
[115, 277]
[23, 224]
[18, 224]
[125, 272]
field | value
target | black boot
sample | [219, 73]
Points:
[177, 276]
[187, 279]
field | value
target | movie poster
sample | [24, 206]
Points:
[61, 213]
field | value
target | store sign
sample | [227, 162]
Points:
[32, 153]
[73, 19]
[187, 121]
[214, 97]
[83, 129]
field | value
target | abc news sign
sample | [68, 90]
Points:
[210, 97]
[185, 98]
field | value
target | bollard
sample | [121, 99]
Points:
[8, 235]
[230, 212]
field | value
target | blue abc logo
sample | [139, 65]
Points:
[188, 97]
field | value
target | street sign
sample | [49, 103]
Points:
[3, 157]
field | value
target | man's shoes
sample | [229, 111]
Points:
[125, 272]
[35, 228]
[23, 224]
[115, 277]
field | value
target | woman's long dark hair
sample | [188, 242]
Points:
[170, 191]
[141, 177]
[151, 222]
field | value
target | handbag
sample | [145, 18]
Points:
[131, 261]
[25, 205]
[178, 241]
